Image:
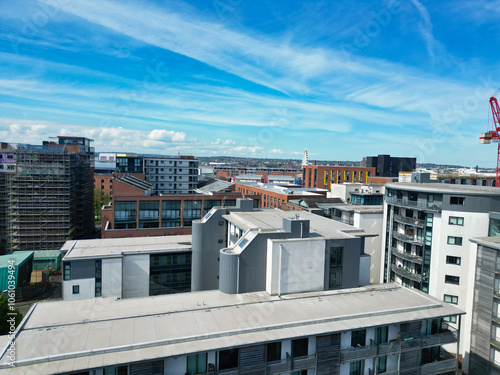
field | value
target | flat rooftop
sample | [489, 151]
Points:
[493, 242]
[286, 190]
[117, 247]
[445, 188]
[364, 209]
[68, 336]
[271, 219]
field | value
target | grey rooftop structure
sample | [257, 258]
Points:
[72, 336]
[113, 247]
[445, 188]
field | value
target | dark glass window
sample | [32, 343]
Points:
[453, 260]
[228, 359]
[76, 289]
[358, 338]
[299, 348]
[67, 271]
[273, 351]
[457, 200]
[448, 279]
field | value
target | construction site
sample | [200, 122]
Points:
[46, 194]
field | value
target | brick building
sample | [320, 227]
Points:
[323, 176]
[135, 212]
[274, 195]
[227, 173]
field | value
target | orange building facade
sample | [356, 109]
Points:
[323, 176]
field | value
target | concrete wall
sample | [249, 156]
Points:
[112, 277]
[373, 223]
[136, 272]
[87, 289]
[291, 270]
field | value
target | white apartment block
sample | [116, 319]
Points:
[426, 241]
[383, 329]
[170, 174]
[126, 267]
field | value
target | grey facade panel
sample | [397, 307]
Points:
[482, 312]
[350, 260]
[228, 277]
[82, 269]
[207, 240]
[473, 203]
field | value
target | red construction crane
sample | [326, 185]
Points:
[494, 135]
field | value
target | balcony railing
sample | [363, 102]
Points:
[352, 354]
[409, 220]
[302, 363]
[414, 204]
[404, 273]
[372, 372]
[439, 367]
[407, 256]
[278, 367]
[407, 238]
[388, 347]
[447, 335]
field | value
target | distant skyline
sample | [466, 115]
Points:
[254, 78]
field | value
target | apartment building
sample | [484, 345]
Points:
[389, 166]
[358, 193]
[274, 195]
[245, 249]
[323, 176]
[226, 172]
[126, 267]
[46, 193]
[426, 240]
[485, 339]
[170, 174]
[371, 330]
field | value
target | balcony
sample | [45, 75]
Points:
[278, 367]
[447, 335]
[407, 256]
[414, 204]
[394, 372]
[290, 364]
[388, 347]
[302, 363]
[409, 220]
[405, 273]
[446, 362]
[407, 238]
[354, 354]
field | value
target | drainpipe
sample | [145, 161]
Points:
[279, 272]
[238, 277]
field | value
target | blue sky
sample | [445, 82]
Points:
[254, 78]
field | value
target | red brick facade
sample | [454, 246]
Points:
[104, 181]
[271, 199]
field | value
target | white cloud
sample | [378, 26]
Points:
[166, 135]
[277, 151]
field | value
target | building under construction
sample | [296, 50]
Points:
[46, 193]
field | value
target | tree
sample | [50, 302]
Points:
[5, 309]
[100, 199]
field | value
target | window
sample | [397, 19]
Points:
[299, 348]
[451, 319]
[273, 351]
[453, 260]
[76, 289]
[356, 368]
[358, 338]
[452, 279]
[450, 299]
[454, 240]
[335, 267]
[196, 363]
[456, 220]
[67, 271]
[457, 200]
[228, 359]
